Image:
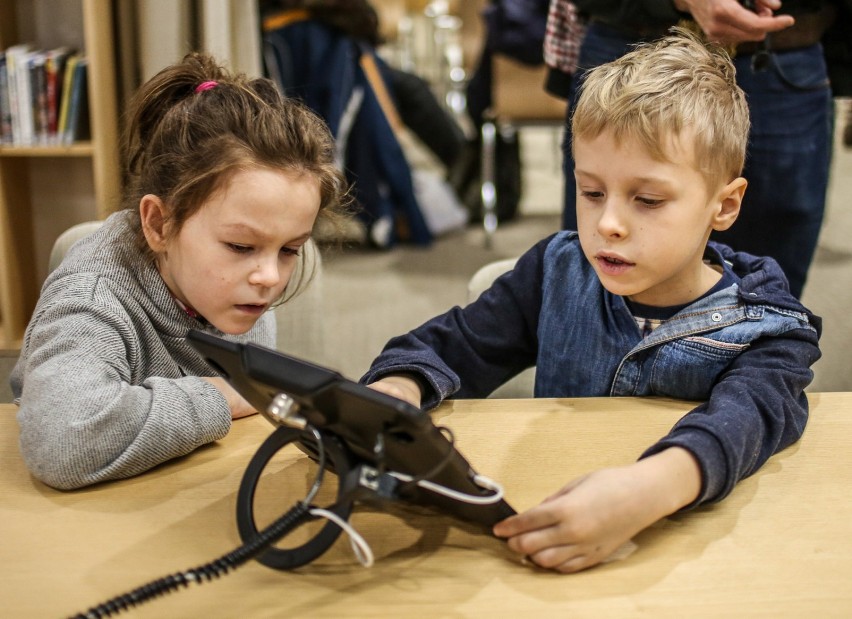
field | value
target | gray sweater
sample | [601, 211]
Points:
[107, 384]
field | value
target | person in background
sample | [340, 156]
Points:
[781, 67]
[418, 108]
[225, 179]
[638, 302]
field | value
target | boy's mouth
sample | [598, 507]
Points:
[612, 265]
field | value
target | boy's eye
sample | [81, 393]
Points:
[649, 202]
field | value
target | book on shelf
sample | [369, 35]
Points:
[55, 62]
[43, 96]
[67, 78]
[77, 123]
[38, 96]
[5, 108]
[19, 96]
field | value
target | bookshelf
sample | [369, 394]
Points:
[35, 180]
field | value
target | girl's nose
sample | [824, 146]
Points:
[266, 273]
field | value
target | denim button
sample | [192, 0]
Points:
[716, 317]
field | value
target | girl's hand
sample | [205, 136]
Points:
[239, 407]
[591, 517]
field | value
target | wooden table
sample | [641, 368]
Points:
[779, 546]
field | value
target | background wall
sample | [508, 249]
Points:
[168, 29]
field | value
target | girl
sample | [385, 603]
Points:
[225, 180]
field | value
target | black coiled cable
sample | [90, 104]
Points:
[219, 567]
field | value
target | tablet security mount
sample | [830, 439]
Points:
[380, 447]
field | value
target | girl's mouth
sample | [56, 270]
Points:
[252, 309]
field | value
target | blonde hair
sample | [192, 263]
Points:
[664, 88]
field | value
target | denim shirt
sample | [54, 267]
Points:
[683, 358]
[743, 353]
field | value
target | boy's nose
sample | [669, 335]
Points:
[611, 222]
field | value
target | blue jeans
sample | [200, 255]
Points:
[788, 155]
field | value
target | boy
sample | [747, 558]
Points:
[636, 303]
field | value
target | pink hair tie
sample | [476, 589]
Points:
[205, 86]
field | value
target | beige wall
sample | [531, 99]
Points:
[227, 28]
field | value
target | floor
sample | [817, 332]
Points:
[372, 295]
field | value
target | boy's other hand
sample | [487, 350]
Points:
[399, 386]
[592, 516]
[239, 407]
[728, 21]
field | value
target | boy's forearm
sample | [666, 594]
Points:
[669, 480]
[403, 386]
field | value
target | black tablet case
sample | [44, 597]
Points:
[357, 415]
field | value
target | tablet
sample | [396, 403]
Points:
[378, 429]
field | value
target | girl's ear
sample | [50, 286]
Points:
[152, 212]
[730, 200]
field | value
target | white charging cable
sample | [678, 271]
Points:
[480, 480]
[360, 547]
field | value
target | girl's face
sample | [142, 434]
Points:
[233, 258]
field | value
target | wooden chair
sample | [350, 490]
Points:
[518, 100]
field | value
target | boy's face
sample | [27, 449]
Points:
[644, 223]
[235, 255]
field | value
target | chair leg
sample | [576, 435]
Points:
[489, 180]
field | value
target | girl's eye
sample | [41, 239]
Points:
[290, 251]
[240, 249]
[591, 195]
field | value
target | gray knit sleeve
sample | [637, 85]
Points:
[101, 399]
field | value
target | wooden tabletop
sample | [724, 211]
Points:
[779, 546]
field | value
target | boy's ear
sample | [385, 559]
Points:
[152, 213]
[730, 200]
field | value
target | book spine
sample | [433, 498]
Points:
[25, 108]
[5, 107]
[38, 92]
[65, 97]
[77, 102]
[52, 86]
[11, 71]
[55, 69]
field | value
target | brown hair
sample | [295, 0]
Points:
[182, 143]
[659, 90]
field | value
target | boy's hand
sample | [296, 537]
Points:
[399, 386]
[588, 519]
[239, 407]
[727, 21]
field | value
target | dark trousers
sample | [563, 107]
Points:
[423, 114]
